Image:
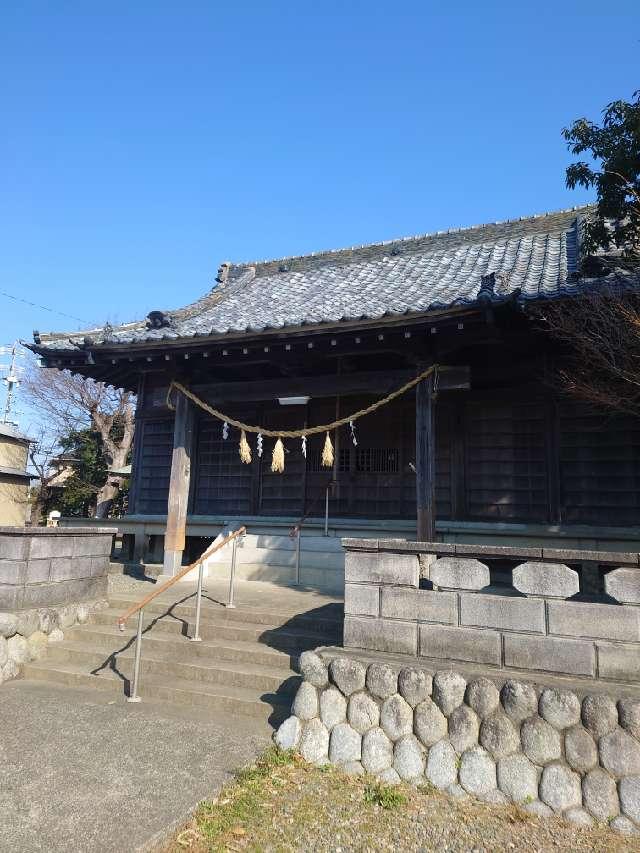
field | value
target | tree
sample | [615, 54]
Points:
[614, 172]
[600, 335]
[599, 331]
[71, 405]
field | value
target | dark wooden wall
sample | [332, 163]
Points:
[509, 456]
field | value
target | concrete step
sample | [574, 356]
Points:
[215, 628]
[215, 697]
[163, 664]
[327, 618]
[107, 638]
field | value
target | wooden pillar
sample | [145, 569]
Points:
[425, 461]
[174, 538]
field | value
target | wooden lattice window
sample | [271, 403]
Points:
[378, 460]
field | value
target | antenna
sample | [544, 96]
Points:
[11, 378]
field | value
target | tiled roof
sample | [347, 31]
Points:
[531, 258]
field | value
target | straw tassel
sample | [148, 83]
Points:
[245, 450]
[277, 462]
[327, 452]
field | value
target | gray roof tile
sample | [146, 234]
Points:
[531, 258]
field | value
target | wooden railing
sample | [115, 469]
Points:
[140, 605]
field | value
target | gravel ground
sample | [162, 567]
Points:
[292, 806]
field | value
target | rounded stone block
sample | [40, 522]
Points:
[345, 744]
[38, 642]
[477, 771]
[442, 765]
[381, 681]
[519, 700]
[538, 809]
[408, 758]
[464, 727]
[396, 717]
[288, 735]
[560, 708]
[580, 749]
[459, 573]
[429, 723]
[8, 624]
[560, 788]
[305, 705]
[347, 675]
[28, 622]
[333, 707]
[550, 580]
[623, 585]
[623, 826]
[448, 690]
[482, 696]
[579, 817]
[499, 736]
[599, 715]
[629, 713]
[18, 649]
[363, 713]
[600, 795]
[620, 754]
[314, 742]
[414, 685]
[518, 778]
[540, 741]
[389, 777]
[353, 768]
[630, 797]
[377, 751]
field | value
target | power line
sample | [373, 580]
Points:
[44, 308]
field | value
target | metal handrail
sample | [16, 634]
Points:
[139, 607]
[295, 531]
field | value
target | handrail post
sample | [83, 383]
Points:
[133, 697]
[196, 634]
[230, 603]
[326, 510]
[298, 546]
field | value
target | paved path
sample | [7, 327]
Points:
[80, 772]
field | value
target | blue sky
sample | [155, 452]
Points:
[143, 143]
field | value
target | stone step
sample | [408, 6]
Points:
[107, 638]
[325, 618]
[215, 697]
[236, 674]
[282, 638]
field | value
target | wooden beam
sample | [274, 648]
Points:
[377, 382]
[425, 461]
[174, 539]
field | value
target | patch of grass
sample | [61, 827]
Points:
[282, 804]
[385, 796]
[238, 804]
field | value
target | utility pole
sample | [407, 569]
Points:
[11, 379]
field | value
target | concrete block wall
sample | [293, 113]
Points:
[50, 578]
[435, 601]
[42, 566]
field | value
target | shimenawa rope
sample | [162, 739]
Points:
[277, 464]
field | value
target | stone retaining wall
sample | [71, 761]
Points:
[50, 578]
[437, 601]
[545, 749]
